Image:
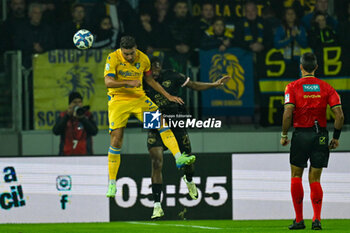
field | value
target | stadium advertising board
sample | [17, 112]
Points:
[134, 199]
[237, 95]
[58, 189]
[261, 187]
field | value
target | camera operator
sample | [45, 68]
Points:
[76, 128]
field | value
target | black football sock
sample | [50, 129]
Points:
[156, 190]
[189, 172]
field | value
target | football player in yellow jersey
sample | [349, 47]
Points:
[124, 72]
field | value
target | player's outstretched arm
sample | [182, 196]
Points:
[156, 86]
[201, 86]
[112, 83]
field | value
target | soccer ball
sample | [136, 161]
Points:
[83, 39]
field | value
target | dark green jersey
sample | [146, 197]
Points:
[172, 82]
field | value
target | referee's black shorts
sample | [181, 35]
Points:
[308, 144]
[181, 135]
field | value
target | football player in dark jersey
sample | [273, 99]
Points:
[172, 82]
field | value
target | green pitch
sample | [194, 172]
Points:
[205, 226]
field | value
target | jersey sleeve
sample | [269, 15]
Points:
[289, 97]
[182, 80]
[147, 70]
[110, 67]
[333, 98]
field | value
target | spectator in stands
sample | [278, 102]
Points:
[69, 28]
[134, 4]
[344, 36]
[217, 36]
[76, 128]
[33, 36]
[161, 14]
[152, 36]
[344, 26]
[321, 35]
[320, 6]
[207, 17]
[121, 13]
[182, 28]
[17, 16]
[270, 19]
[250, 30]
[106, 37]
[49, 9]
[290, 36]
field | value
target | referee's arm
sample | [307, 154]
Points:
[338, 117]
[338, 124]
[286, 123]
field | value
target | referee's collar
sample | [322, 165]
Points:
[308, 76]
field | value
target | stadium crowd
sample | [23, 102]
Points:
[35, 26]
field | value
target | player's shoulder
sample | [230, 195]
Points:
[292, 84]
[324, 83]
[169, 73]
[327, 86]
[113, 55]
[142, 56]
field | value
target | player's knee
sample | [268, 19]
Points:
[315, 175]
[157, 163]
[117, 143]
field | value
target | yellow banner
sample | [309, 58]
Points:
[338, 83]
[59, 72]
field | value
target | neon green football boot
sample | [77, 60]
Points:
[112, 189]
[185, 159]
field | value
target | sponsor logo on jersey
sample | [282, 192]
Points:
[128, 73]
[166, 83]
[286, 98]
[311, 88]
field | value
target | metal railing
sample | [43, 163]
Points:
[12, 99]
[4, 10]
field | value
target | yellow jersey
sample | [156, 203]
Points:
[120, 69]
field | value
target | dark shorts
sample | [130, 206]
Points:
[181, 135]
[307, 144]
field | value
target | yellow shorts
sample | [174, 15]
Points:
[119, 111]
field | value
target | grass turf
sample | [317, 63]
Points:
[219, 226]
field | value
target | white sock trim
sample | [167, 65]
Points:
[157, 204]
[178, 155]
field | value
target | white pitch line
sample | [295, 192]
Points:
[194, 226]
[144, 223]
[177, 225]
